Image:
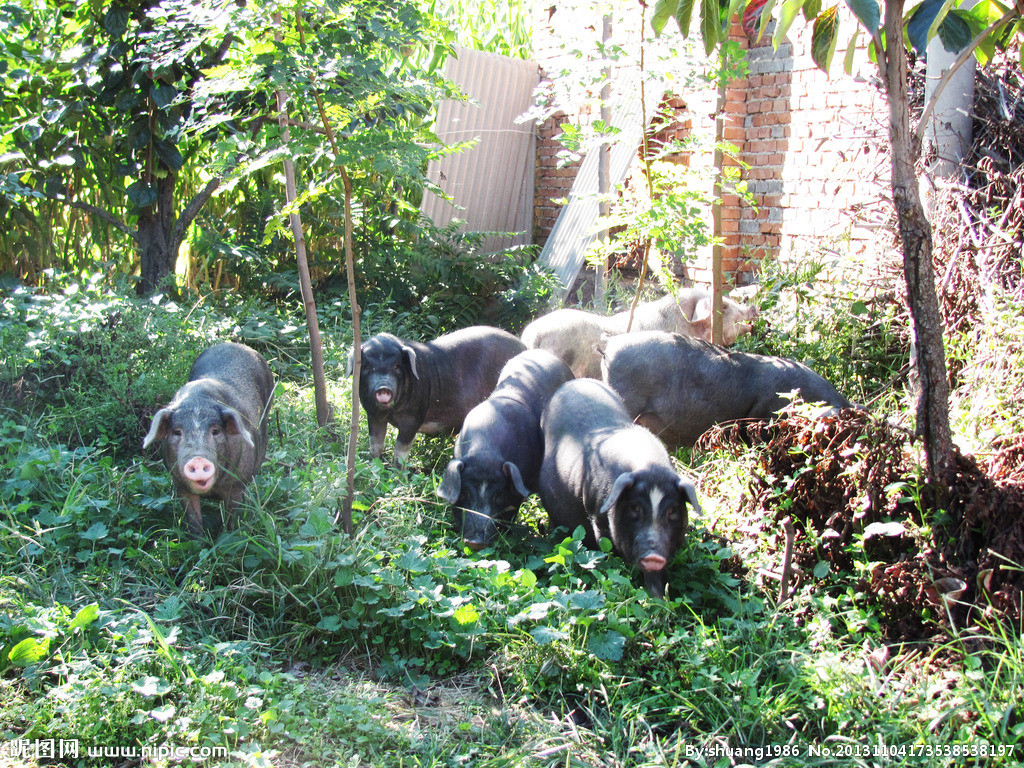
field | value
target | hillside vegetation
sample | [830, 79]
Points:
[286, 643]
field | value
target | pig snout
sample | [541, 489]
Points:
[384, 395]
[478, 528]
[200, 473]
[652, 562]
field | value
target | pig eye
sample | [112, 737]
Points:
[673, 514]
[635, 512]
[216, 431]
[176, 432]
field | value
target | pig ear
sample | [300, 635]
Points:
[690, 493]
[622, 482]
[410, 355]
[451, 483]
[700, 323]
[235, 425]
[702, 311]
[351, 363]
[512, 472]
[158, 429]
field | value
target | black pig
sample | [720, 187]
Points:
[679, 387]
[429, 388]
[214, 433]
[499, 451]
[614, 477]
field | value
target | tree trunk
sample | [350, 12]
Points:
[324, 412]
[158, 251]
[916, 239]
[357, 362]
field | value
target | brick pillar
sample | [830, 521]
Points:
[552, 182]
[766, 118]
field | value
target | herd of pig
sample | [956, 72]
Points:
[582, 409]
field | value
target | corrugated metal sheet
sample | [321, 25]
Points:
[491, 183]
[575, 229]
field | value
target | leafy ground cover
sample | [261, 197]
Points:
[286, 643]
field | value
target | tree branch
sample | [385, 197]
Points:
[965, 54]
[192, 210]
[105, 215]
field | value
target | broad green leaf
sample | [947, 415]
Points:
[151, 686]
[115, 20]
[96, 532]
[466, 614]
[684, 15]
[607, 646]
[921, 22]
[169, 154]
[85, 617]
[947, 6]
[528, 578]
[787, 15]
[709, 24]
[29, 651]
[590, 600]
[141, 194]
[317, 525]
[663, 11]
[955, 32]
[867, 12]
[824, 37]
[545, 635]
[163, 95]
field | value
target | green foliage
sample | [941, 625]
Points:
[136, 118]
[816, 311]
[442, 280]
[118, 630]
[502, 27]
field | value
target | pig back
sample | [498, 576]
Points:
[577, 424]
[680, 387]
[532, 377]
[572, 335]
[460, 370]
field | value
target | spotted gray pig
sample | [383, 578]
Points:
[575, 335]
[499, 451]
[213, 434]
[430, 387]
[613, 477]
[679, 387]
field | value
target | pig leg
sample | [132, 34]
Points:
[231, 507]
[407, 429]
[402, 448]
[193, 514]
[378, 431]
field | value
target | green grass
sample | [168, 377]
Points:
[287, 643]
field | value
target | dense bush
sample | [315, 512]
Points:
[820, 311]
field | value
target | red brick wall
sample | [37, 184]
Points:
[814, 147]
[552, 180]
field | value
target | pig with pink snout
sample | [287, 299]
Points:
[213, 435]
